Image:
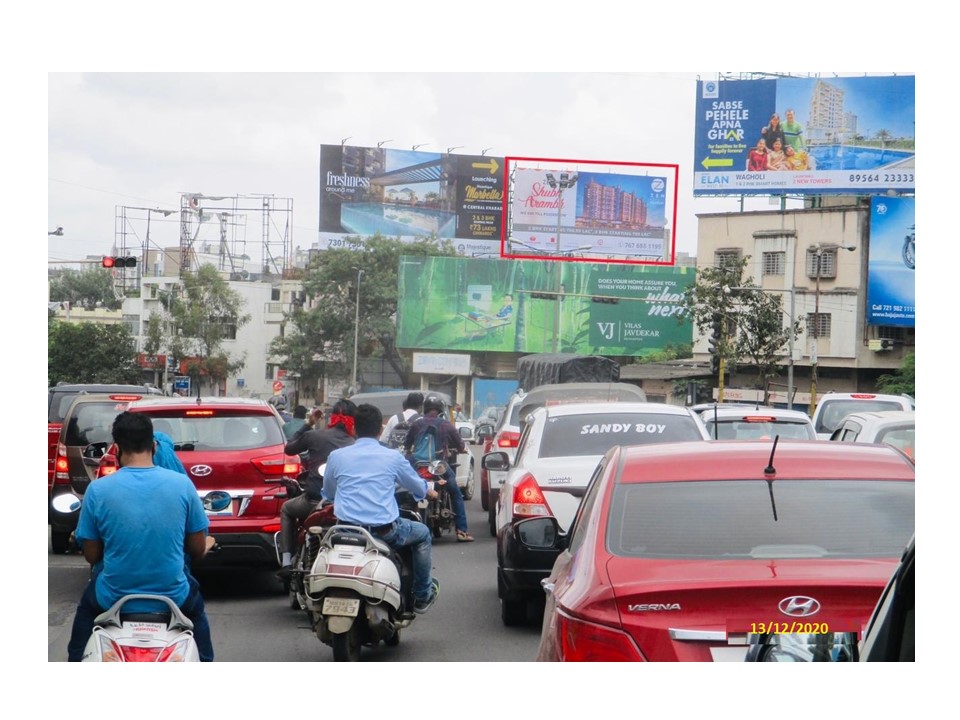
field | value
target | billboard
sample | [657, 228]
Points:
[891, 283]
[406, 193]
[494, 305]
[589, 215]
[837, 135]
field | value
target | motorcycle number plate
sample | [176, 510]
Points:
[348, 607]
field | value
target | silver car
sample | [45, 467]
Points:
[757, 422]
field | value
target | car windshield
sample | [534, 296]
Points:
[594, 434]
[220, 431]
[92, 423]
[834, 411]
[735, 519]
[740, 429]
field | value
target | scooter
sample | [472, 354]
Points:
[165, 636]
[359, 590]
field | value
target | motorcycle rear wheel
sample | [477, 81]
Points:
[393, 640]
[346, 646]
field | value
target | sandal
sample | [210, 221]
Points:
[464, 536]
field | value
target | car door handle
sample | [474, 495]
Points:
[547, 585]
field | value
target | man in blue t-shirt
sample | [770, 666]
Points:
[134, 528]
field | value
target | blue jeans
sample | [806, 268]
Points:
[456, 497]
[88, 609]
[409, 532]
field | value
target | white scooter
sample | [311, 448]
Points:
[359, 590]
[165, 636]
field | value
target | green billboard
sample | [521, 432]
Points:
[494, 305]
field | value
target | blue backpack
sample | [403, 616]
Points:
[425, 446]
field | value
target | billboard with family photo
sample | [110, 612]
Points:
[802, 135]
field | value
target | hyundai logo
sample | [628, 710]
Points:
[216, 501]
[799, 606]
[201, 470]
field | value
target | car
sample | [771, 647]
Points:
[833, 407]
[682, 551]
[85, 433]
[756, 422]
[507, 434]
[558, 451]
[891, 634]
[488, 419]
[58, 400]
[232, 450]
[893, 427]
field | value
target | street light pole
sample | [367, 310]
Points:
[566, 181]
[356, 333]
[818, 249]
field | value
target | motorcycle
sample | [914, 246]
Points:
[359, 590]
[438, 515]
[165, 636]
[910, 249]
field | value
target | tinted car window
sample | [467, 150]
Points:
[834, 411]
[752, 430]
[93, 423]
[220, 431]
[594, 434]
[735, 519]
[901, 438]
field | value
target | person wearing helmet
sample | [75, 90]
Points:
[452, 444]
[280, 403]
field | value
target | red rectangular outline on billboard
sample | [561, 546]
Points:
[507, 198]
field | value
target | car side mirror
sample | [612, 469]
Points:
[466, 433]
[484, 432]
[540, 534]
[496, 461]
[95, 451]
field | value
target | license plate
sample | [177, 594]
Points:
[348, 607]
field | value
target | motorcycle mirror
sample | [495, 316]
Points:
[66, 503]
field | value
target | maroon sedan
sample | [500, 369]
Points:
[691, 551]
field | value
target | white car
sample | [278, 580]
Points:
[833, 407]
[757, 422]
[891, 427]
[559, 451]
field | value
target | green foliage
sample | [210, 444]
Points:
[670, 351]
[85, 289]
[902, 380]
[91, 353]
[325, 331]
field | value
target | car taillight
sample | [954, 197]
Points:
[863, 396]
[277, 466]
[528, 499]
[62, 466]
[508, 438]
[108, 465]
[582, 641]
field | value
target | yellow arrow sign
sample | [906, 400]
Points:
[715, 163]
[492, 166]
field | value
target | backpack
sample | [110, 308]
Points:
[398, 435]
[425, 446]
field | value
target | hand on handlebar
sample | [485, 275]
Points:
[432, 494]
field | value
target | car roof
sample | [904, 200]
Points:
[172, 403]
[748, 459]
[752, 411]
[865, 396]
[882, 416]
[105, 388]
[603, 407]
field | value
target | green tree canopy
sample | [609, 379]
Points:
[87, 289]
[91, 353]
[902, 380]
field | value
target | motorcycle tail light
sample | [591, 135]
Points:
[528, 499]
[175, 651]
[424, 472]
[138, 653]
[109, 650]
[582, 641]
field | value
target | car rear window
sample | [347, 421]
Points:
[92, 423]
[901, 438]
[751, 519]
[740, 429]
[834, 411]
[219, 430]
[594, 434]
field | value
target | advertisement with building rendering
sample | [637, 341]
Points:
[805, 135]
[494, 305]
[891, 284]
[406, 193]
[591, 215]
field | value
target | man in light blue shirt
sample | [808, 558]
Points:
[361, 481]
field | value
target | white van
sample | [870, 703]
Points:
[832, 408]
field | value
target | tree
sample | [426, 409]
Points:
[205, 314]
[91, 353]
[88, 288]
[761, 335]
[901, 381]
[325, 327]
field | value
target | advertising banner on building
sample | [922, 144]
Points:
[805, 135]
[405, 193]
[494, 305]
[591, 215]
[891, 283]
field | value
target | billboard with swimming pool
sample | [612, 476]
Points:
[406, 193]
[811, 135]
[496, 305]
[891, 279]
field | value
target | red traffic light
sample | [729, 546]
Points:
[118, 261]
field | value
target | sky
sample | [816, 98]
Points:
[134, 105]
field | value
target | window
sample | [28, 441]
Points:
[773, 263]
[818, 325]
[726, 258]
[827, 261]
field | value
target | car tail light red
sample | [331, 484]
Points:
[108, 464]
[528, 499]
[508, 438]
[278, 466]
[582, 641]
[62, 466]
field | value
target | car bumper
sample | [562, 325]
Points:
[241, 549]
[522, 568]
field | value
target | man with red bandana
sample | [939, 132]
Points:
[317, 443]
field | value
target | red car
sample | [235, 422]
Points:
[232, 450]
[682, 551]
